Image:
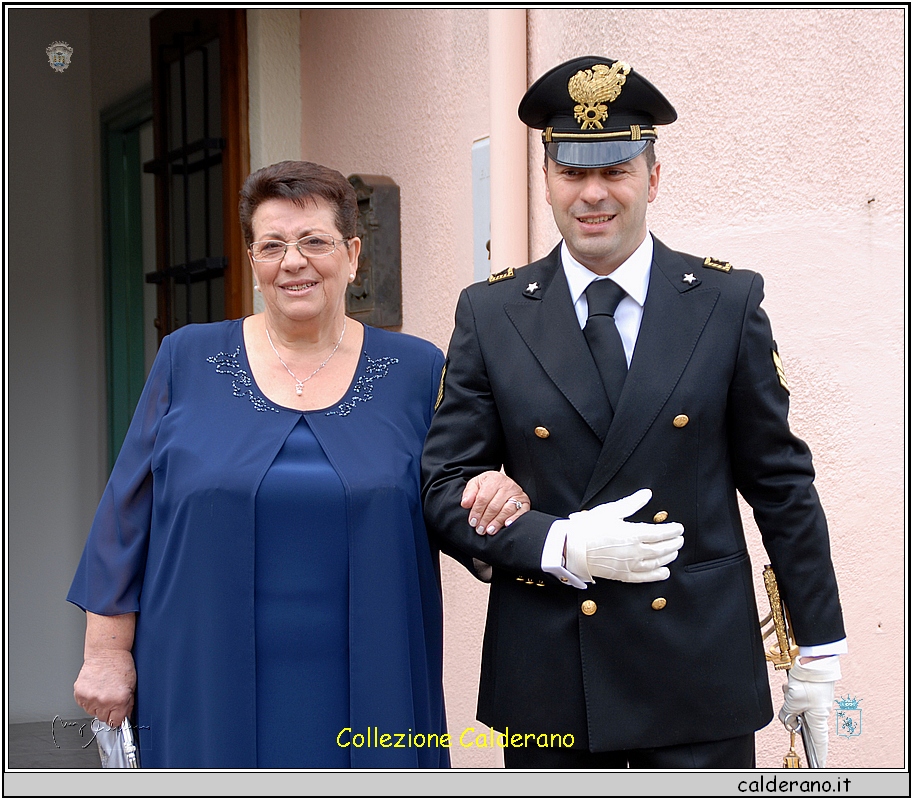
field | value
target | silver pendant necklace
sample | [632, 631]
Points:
[299, 383]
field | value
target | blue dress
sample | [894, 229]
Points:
[301, 597]
[195, 523]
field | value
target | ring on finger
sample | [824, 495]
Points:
[516, 503]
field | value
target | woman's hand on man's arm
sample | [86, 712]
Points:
[494, 501]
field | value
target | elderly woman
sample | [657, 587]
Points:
[259, 553]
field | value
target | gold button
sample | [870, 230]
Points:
[661, 516]
[588, 607]
[680, 421]
[658, 604]
[542, 433]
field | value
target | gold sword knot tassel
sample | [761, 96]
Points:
[791, 759]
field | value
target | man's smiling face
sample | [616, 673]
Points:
[602, 212]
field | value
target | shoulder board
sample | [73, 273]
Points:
[714, 263]
[503, 275]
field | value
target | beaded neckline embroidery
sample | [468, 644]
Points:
[228, 364]
[363, 390]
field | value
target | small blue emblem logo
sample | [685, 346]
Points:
[849, 716]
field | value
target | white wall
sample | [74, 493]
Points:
[56, 381]
[274, 87]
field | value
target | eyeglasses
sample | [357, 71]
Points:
[312, 246]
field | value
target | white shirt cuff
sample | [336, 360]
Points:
[830, 649]
[553, 555]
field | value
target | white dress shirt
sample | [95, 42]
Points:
[633, 276]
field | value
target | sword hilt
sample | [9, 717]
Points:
[781, 655]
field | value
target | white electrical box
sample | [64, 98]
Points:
[481, 210]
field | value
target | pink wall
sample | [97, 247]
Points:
[787, 158]
[404, 94]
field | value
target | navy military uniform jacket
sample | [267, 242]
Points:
[703, 415]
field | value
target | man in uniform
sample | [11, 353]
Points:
[632, 391]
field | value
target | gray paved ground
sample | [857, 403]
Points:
[57, 744]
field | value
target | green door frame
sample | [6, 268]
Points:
[123, 256]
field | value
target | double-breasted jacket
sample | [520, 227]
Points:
[702, 418]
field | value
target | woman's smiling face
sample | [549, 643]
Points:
[297, 287]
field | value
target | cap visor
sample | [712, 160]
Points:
[594, 154]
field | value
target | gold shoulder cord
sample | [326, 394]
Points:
[440, 391]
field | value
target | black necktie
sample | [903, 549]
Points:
[602, 336]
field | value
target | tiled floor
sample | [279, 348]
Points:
[57, 744]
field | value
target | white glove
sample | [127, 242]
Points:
[810, 691]
[601, 544]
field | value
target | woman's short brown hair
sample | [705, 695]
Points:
[298, 181]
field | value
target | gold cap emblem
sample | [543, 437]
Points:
[592, 88]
